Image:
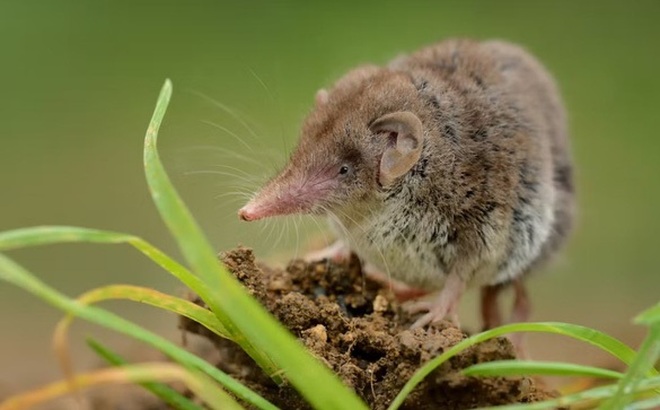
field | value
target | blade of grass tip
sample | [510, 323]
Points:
[160, 390]
[647, 355]
[591, 397]
[585, 334]
[15, 274]
[260, 334]
[215, 397]
[173, 205]
[529, 367]
[649, 317]
[48, 235]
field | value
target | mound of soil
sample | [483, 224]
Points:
[358, 330]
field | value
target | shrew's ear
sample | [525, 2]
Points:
[405, 136]
[321, 97]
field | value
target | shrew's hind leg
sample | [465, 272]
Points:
[490, 311]
[519, 314]
[491, 316]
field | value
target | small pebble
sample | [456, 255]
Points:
[408, 339]
[278, 284]
[380, 303]
[319, 333]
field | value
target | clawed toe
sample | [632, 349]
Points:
[434, 314]
[418, 307]
[444, 305]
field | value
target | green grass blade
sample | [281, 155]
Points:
[241, 314]
[48, 235]
[19, 276]
[160, 390]
[647, 355]
[160, 300]
[213, 395]
[585, 334]
[591, 397]
[648, 404]
[197, 251]
[528, 367]
[649, 317]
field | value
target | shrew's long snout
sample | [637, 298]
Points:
[265, 204]
[268, 204]
[287, 195]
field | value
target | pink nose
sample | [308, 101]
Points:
[250, 212]
[247, 213]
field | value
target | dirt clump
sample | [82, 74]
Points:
[358, 330]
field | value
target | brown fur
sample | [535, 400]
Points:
[491, 195]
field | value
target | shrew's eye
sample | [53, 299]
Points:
[344, 170]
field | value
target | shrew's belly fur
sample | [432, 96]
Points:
[402, 250]
[419, 251]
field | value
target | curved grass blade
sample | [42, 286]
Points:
[585, 334]
[49, 235]
[591, 397]
[13, 273]
[157, 299]
[247, 321]
[528, 367]
[200, 384]
[160, 390]
[138, 294]
[188, 235]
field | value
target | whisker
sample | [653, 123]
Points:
[225, 153]
[271, 228]
[272, 100]
[232, 168]
[263, 84]
[321, 230]
[226, 174]
[377, 247]
[296, 226]
[230, 132]
[279, 237]
[234, 114]
[234, 196]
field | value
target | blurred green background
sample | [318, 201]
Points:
[79, 81]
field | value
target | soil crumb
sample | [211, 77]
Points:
[358, 330]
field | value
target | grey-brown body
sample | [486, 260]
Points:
[451, 163]
[492, 194]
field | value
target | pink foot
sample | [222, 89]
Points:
[444, 305]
